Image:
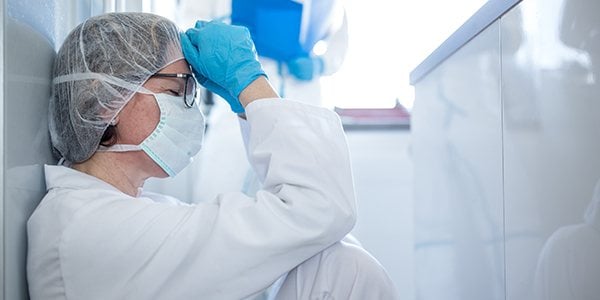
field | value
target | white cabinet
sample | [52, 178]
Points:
[551, 105]
[457, 151]
[506, 135]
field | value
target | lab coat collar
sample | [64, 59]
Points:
[65, 177]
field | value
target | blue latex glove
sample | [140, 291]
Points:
[305, 68]
[223, 58]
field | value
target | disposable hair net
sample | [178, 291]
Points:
[98, 69]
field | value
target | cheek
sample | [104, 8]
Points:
[138, 119]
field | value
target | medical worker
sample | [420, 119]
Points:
[123, 109]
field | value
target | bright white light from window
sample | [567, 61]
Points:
[165, 8]
[388, 39]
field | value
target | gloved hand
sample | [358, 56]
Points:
[223, 58]
[305, 68]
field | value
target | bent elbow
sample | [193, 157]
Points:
[342, 218]
[347, 218]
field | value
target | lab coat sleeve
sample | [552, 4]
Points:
[233, 246]
[299, 153]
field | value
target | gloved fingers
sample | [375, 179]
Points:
[189, 50]
[200, 23]
[192, 55]
[193, 35]
[200, 78]
[215, 88]
[235, 105]
[223, 58]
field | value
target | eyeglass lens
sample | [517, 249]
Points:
[190, 91]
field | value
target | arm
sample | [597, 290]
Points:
[300, 154]
[258, 89]
[307, 201]
[235, 245]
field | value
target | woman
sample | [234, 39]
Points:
[123, 110]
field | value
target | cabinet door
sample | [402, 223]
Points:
[457, 148]
[551, 104]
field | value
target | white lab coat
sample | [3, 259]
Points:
[88, 240]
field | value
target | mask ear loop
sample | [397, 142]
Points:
[64, 162]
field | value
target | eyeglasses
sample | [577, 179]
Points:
[189, 96]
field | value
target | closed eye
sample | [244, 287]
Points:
[174, 93]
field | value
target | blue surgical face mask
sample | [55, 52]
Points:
[176, 139]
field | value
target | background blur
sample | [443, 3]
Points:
[387, 40]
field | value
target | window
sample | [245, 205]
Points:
[387, 40]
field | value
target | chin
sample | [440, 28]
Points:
[158, 172]
[162, 174]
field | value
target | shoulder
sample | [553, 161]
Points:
[161, 198]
